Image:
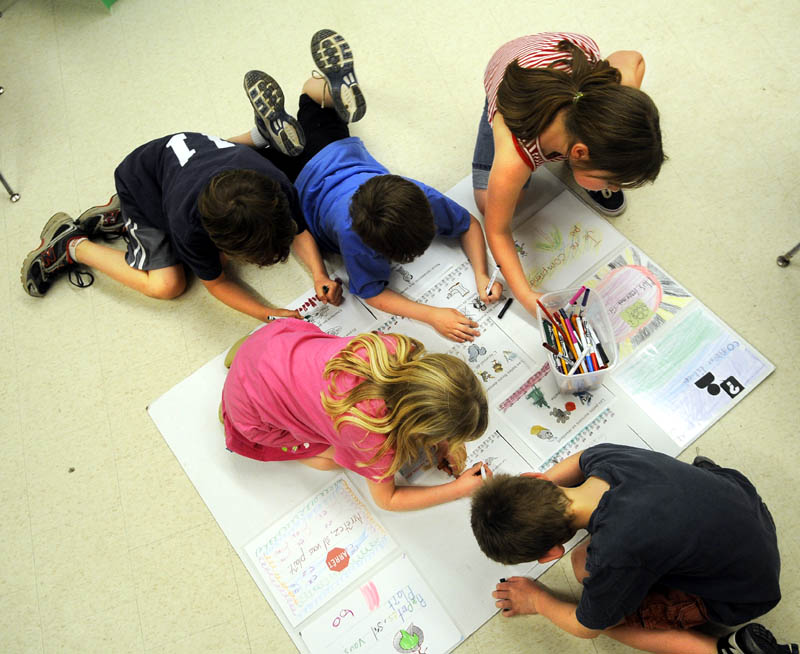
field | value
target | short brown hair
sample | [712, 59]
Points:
[619, 124]
[393, 216]
[247, 216]
[519, 519]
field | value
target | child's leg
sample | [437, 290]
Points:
[323, 461]
[162, 283]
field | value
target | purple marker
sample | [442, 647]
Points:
[574, 298]
[583, 302]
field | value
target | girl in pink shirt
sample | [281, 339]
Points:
[552, 97]
[369, 404]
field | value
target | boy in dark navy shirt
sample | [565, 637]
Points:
[188, 199]
[352, 204]
[672, 546]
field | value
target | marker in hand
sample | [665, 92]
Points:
[492, 281]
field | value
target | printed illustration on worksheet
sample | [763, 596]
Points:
[497, 453]
[414, 278]
[542, 417]
[562, 241]
[640, 297]
[692, 375]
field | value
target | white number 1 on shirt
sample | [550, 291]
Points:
[178, 145]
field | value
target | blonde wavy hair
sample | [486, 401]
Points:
[429, 397]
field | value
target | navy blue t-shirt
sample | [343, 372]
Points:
[705, 532]
[327, 184]
[161, 181]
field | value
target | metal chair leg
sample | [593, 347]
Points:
[11, 193]
[785, 259]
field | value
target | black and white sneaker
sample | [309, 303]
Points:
[334, 59]
[753, 638]
[52, 257]
[610, 203]
[278, 127]
[105, 221]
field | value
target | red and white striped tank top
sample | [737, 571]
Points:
[534, 51]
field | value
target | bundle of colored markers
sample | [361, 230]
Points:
[571, 339]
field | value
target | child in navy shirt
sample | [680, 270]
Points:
[352, 204]
[188, 199]
[672, 546]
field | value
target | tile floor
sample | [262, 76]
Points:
[121, 555]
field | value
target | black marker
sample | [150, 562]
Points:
[505, 308]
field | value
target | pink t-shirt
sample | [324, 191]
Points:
[271, 404]
[534, 51]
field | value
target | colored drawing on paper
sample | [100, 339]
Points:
[639, 296]
[318, 549]
[691, 375]
[399, 613]
[561, 248]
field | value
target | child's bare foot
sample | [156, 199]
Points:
[517, 596]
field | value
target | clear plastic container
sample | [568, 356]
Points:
[596, 314]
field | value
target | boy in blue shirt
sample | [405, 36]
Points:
[673, 546]
[352, 204]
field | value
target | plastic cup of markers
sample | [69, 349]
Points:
[596, 314]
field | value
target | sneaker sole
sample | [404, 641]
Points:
[607, 212]
[89, 219]
[49, 230]
[266, 96]
[334, 59]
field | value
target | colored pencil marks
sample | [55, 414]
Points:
[639, 296]
[395, 610]
[318, 549]
[554, 251]
[692, 375]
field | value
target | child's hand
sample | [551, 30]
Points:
[497, 289]
[471, 479]
[282, 313]
[328, 290]
[453, 324]
[455, 458]
[529, 302]
[518, 596]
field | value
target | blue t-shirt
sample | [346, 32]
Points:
[160, 182]
[326, 184]
[705, 532]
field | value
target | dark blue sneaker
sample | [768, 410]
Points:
[610, 203]
[753, 638]
[334, 59]
[52, 257]
[279, 128]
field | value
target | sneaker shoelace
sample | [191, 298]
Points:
[80, 277]
[315, 74]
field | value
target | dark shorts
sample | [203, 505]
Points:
[149, 248]
[321, 127]
[667, 608]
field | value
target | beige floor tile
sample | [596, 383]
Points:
[115, 630]
[185, 584]
[226, 638]
[157, 497]
[20, 629]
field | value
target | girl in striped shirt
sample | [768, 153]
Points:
[552, 97]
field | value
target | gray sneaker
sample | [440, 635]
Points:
[105, 221]
[278, 127]
[334, 59]
[753, 638]
[52, 257]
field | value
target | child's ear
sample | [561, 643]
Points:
[555, 552]
[579, 152]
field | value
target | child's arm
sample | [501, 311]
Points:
[474, 246]
[305, 247]
[231, 293]
[407, 498]
[567, 472]
[630, 64]
[506, 180]
[450, 323]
